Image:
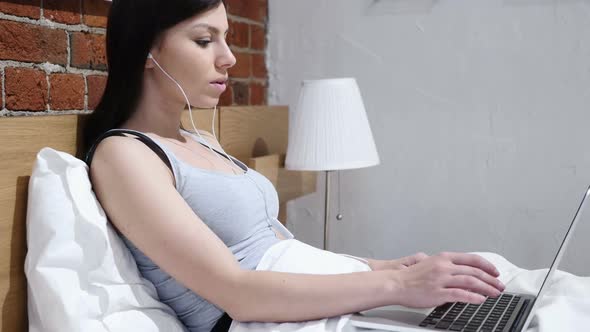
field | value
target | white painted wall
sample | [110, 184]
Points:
[480, 112]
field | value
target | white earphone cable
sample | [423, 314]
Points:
[190, 113]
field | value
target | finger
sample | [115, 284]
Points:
[480, 274]
[398, 267]
[461, 295]
[418, 257]
[414, 259]
[471, 283]
[407, 261]
[398, 264]
[474, 261]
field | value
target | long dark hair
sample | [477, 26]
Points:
[132, 28]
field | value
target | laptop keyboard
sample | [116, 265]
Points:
[490, 316]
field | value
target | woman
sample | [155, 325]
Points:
[198, 221]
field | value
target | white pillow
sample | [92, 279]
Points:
[81, 276]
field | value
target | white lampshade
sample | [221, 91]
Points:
[329, 129]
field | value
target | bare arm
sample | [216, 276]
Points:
[136, 190]
[140, 199]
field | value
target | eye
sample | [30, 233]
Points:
[203, 42]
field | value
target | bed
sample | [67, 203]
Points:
[257, 135]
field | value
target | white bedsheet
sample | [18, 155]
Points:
[565, 306]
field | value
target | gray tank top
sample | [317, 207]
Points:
[240, 209]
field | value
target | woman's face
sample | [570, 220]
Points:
[195, 53]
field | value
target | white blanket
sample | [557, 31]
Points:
[565, 306]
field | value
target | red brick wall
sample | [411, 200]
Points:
[247, 38]
[52, 55]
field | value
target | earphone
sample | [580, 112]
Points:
[190, 112]
[280, 227]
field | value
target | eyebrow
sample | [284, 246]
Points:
[209, 27]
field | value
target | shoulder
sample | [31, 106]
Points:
[124, 156]
[120, 148]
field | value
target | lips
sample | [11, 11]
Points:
[220, 81]
[218, 85]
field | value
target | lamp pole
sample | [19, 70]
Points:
[326, 209]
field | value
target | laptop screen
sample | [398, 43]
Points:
[559, 254]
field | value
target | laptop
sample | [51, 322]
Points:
[509, 312]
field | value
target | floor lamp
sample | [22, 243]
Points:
[329, 131]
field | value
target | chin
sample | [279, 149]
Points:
[208, 103]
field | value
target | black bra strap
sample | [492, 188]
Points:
[223, 324]
[139, 136]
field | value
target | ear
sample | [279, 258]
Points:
[154, 52]
[149, 63]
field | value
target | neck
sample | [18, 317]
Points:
[158, 123]
[156, 114]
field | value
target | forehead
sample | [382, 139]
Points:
[209, 27]
[213, 20]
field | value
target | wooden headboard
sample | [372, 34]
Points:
[255, 135]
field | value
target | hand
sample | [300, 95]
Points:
[447, 277]
[396, 264]
[404, 262]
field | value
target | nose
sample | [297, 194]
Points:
[226, 58]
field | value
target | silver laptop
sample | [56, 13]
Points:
[510, 312]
